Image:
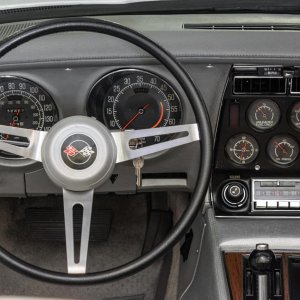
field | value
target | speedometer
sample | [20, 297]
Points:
[24, 104]
[135, 99]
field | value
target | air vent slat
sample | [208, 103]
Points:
[254, 27]
[259, 85]
[295, 87]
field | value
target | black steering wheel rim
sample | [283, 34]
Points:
[166, 59]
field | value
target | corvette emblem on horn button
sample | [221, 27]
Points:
[79, 151]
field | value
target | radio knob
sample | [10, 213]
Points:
[234, 194]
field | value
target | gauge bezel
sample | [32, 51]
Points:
[257, 129]
[255, 154]
[276, 163]
[289, 115]
[20, 161]
[95, 89]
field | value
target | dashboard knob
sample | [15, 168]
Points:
[234, 194]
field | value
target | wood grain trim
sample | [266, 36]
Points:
[235, 273]
[234, 267]
[285, 271]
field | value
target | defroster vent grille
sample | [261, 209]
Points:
[259, 85]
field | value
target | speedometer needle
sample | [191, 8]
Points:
[140, 112]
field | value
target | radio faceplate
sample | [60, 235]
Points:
[277, 195]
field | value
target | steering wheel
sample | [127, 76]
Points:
[103, 150]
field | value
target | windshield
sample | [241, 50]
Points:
[101, 7]
[13, 4]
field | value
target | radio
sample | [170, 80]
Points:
[275, 195]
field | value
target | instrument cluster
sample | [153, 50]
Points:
[264, 115]
[259, 133]
[125, 99]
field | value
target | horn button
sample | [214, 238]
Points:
[79, 153]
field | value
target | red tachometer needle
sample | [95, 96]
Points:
[140, 112]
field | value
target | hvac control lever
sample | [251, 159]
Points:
[262, 262]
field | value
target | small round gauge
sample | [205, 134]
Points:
[242, 149]
[24, 104]
[263, 114]
[135, 99]
[295, 115]
[283, 150]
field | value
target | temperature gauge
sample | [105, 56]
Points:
[283, 150]
[242, 149]
[263, 114]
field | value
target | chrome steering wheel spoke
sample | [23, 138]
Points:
[71, 199]
[35, 142]
[122, 140]
[92, 165]
[188, 133]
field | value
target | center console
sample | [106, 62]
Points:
[257, 162]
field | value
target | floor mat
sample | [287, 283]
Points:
[124, 244]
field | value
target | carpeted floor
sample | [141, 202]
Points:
[124, 244]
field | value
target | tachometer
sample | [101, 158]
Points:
[24, 104]
[135, 99]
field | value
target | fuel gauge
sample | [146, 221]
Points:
[283, 150]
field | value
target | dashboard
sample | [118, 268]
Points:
[249, 80]
[97, 76]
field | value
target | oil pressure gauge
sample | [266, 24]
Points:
[283, 150]
[242, 149]
[263, 114]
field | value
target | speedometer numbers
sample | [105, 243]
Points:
[24, 104]
[242, 149]
[135, 99]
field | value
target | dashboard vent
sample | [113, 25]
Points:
[295, 86]
[259, 85]
[254, 27]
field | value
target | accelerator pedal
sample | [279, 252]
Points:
[47, 224]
